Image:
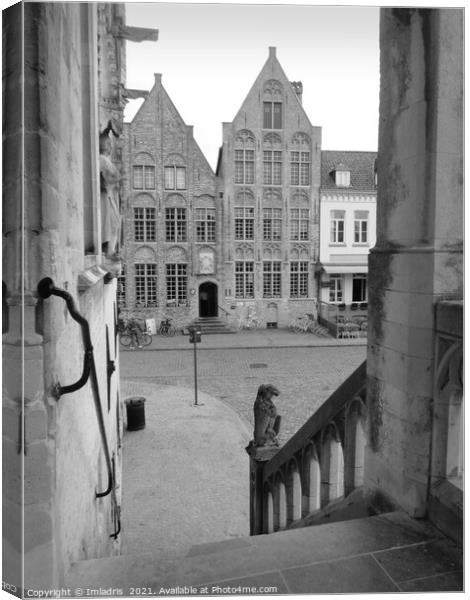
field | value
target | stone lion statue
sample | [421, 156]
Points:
[267, 420]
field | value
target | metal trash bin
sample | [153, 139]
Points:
[135, 407]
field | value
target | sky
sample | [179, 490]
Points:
[209, 56]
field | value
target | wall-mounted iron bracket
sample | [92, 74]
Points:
[46, 288]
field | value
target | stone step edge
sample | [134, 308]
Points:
[163, 571]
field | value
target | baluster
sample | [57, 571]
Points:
[280, 506]
[312, 482]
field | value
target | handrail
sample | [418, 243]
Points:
[46, 288]
[322, 462]
[325, 413]
[222, 308]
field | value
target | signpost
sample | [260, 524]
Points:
[195, 338]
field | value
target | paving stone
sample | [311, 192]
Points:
[360, 574]
[358, 536]
[305, 376]
[447, 582]
[185, 475]
[421, 560]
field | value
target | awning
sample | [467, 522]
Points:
[345, 268]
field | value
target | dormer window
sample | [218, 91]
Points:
[342, 176]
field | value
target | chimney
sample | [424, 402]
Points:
[298, 89]
[272, 51]
[158, 77]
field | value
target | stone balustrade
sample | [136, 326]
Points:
[322, 462]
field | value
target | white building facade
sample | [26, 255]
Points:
[347, 229]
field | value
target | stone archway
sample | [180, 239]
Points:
[208, 299]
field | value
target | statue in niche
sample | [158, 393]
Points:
[267, 421]
[109, 193]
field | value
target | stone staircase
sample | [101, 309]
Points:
[210, 325]
[385, 553]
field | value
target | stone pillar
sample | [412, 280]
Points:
[418, 256]
[28, 480]
[258, 458]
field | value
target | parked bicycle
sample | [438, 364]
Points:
[250, 322]
[132, 336]
[307, 323]
[166, 328]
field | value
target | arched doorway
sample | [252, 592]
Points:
[208, 299]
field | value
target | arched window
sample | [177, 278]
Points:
[272, 105]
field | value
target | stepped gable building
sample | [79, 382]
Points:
[348, 229]
[269, 170]
[248, 240]
[171, 216]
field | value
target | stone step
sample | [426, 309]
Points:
[210, 325]
[385, 553]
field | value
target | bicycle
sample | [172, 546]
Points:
[126, 339]
[251, 322]
[303, 324]
[166, 329]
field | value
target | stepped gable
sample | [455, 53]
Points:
[360, 164]
[272, 70]
[146, 121]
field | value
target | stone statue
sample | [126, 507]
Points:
[109, 193]
[267, 420]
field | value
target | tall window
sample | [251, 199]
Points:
[175, 224]
[176, 283]
[336, 288]
[272, 224]
[299, 223]
[144, 177]
[244, 279]
[337, 227]
[300, 168]
[244, 166]
[205, 224]
[272, 279]
[299, 279]
[361, 218]
[121, 289]
[272, 115]
[272, 167]
[146, 284]
[244, 223]
[175, 178]
[144, 224]
[359, 287]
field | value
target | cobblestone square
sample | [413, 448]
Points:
[305, 376]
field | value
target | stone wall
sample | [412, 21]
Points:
[418, 256]
[11, 323]
[56, 455]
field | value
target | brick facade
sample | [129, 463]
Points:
[160, 246]
[157, 137]
[270, 194]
